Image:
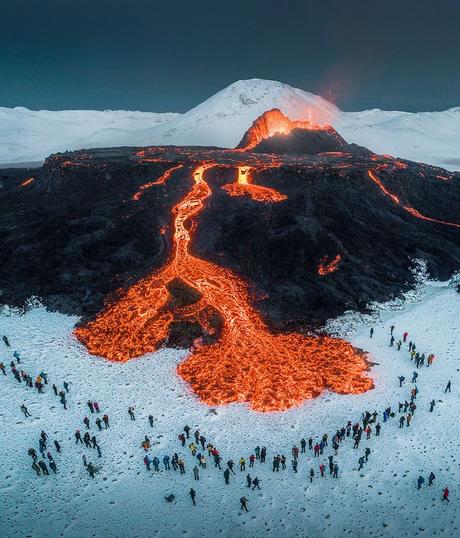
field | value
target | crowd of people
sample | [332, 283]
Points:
[204, 453]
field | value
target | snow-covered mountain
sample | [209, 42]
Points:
[29, 135]
[221, 120]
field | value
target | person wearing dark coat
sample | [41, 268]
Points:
[192, 494]
[227, 476]
[43, 467]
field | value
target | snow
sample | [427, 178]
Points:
[126, 500]
[221, 120]
[29, 135]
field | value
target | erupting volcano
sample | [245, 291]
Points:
[241, 254]
[247, 363]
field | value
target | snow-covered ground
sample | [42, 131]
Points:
[124, 500]
[221, 120]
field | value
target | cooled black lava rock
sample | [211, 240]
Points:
[75, 236]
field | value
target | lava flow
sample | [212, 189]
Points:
[244, 187]
[27, 182]
[159, 181]
[325, 267]
[414, 212]
[246, 363]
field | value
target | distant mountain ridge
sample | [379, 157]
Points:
[221, 120]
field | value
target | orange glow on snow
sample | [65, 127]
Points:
[247, 363]
[244, 187]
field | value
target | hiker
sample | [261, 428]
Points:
[401, 380]
[431, 478]
[242, 464]
[2, 368]
[86, 422]
[248, 480]
[378, 427]
[294, 465]
[371, 332]
[156, 464]
[196, 473]
[36, 468]
[192, 494]
[89, 403]
[243, 502]
[392, 340]
[55, 390]
[25, 411]
[43, 467]
[312, 474]
[166, 462]
[432, 404]
[53, 466]
[367, 453]
[336, 471]
[90, 468]
[321, 469]
[361, 463]
[131, 412]
[303, 444]
[151, 421]
[255, 483]
[226, 476]
[5, 339]
[62, 399]
[447, 390]
[32, 453]
[230, 465]
[96, 407]
[414, 377]
[392, 328]
[78, 437]
[187, 431]
[181, 466]
[263, 454]
[66, 386]
[105, 418]
[58, 446]
[252, 459]
[445, 494]
[405, 335]
[420, 481]
[99, 424]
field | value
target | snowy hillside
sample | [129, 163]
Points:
[124, 499]
[221, 120]
[28, 135]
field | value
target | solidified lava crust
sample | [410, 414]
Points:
[241, 255]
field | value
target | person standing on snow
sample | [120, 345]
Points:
[445, 494]
[192, 494]
[371, 332]
[25, 411]
[432, 404]
[420, 481]
[447, 390]
[196, 473]
[243, 502]
[431, 478]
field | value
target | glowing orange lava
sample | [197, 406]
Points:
[159, 181]
[414, 212]
[325, 267]
[244, 187]
[270, 123]
[247, 363]
[27, 181]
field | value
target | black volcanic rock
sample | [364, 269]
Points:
[75, 237]
[306, 142]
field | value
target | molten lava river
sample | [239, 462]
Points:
[247, 362]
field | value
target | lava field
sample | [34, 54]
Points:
[240, 254]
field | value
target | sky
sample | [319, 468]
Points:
[166, 56]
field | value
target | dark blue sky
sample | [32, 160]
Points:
[170, 55]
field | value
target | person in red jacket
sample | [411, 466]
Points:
[445, 494]
[321, 469]
[405, 335]
[316, 450]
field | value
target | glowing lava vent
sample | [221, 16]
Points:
[245, 362]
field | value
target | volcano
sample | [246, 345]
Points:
[241, 255]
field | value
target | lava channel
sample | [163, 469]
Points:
[326, 267]
[244, 187]
[411, 210]
[247, 362]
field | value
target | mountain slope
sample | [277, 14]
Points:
[221, 120]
